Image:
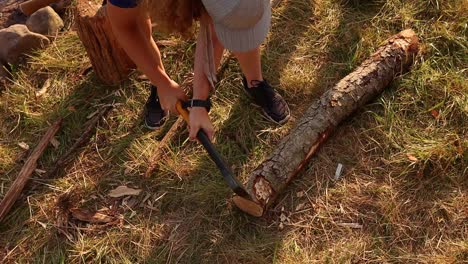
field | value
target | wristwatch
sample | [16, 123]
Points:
[198, 103]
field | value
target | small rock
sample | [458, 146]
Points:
[17, 40]
[45, 21]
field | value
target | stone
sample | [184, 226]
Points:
[45, 21]
[17, 41]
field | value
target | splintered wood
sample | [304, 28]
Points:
[267, 181]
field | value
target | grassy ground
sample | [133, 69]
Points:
[402, 198]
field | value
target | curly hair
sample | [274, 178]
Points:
[174, 16]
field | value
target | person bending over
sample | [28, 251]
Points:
[237, 25]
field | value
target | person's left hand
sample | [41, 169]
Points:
[199, 119]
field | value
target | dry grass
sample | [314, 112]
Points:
[402, 198]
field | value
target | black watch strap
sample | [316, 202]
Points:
[198, 103]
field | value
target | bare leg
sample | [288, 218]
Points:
[250, 63]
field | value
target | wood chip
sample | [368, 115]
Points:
[283, 217]
[127, 171]
[123, 191]
[42, 224]
[39, 171]
[281, 226]
[23, 145]
[339, 170]
[86, 215]
[54, 142]
[300, 206]
[411, 157]
[351, 225]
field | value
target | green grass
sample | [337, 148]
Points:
[404, 154]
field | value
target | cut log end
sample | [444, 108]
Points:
[248, 206]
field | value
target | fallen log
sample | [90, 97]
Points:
[267, 181]
[109, 60]
[28, 168]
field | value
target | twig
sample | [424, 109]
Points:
[82, 140]
[28, 168]
[162, 145]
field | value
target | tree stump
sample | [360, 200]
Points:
[109, 60]
[268, 180]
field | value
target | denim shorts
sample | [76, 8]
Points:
[125, 3]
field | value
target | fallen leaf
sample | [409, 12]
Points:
[412, 158]
[123, 191]
[351, 225]
[23, 145]
[86, 215]
[54, 142]
[435, 113]
[300, 194]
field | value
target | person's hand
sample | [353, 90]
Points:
[169, 95]
[199, 119]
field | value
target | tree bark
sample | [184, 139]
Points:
[28, 168]
[268, 180]
[109, 60]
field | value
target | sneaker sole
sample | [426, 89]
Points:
[163, 121]
[152, 127]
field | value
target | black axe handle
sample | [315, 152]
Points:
[215, 156]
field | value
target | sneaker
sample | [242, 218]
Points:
[154, 114]
[273, 105]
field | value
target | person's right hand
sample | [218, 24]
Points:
[169, 95]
